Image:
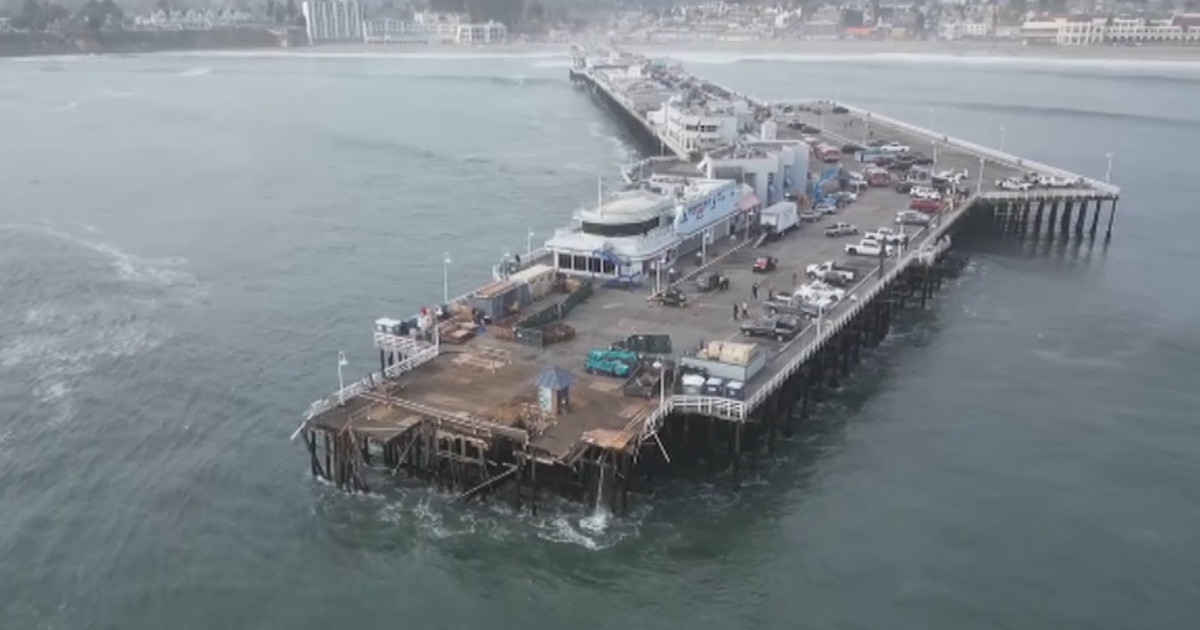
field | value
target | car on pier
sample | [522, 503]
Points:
[953, 176]
[1049, 181]
[887, 235]
[892, 147]
[839, 109]
[779, 328]
[925, 205]
[868, 247]
[841, 229]
[765, 264]
[830, 267]
[924, 192]
[1012, 183]
[910, 217]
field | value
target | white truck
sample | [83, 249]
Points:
[829, 267]
[887, 235]
[780, 218]
[867, 247]
[1049, 181]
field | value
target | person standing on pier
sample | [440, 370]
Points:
[754, 291]
[735, 311]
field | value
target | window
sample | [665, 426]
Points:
[620, 229]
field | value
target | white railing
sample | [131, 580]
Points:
[601, 83]
[726, 408]
[1046, 193]
[998, 156]
[417, 353]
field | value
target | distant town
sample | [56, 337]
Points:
[490, 22]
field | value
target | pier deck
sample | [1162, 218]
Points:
[466, 396]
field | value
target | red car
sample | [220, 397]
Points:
[928, 206]
[765, 264]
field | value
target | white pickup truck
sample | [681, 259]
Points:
[867, 247]
[830, 268]
[886, 235]
[1013, 183]
[891, 147]
[1049, 181]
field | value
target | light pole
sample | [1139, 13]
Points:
[528, 245]
[446, 278]
[662, 382]
[1108, 171]
[979, 185]
[932, 119]
[1001, 139]
[341, 381]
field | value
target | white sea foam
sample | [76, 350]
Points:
[59, 342]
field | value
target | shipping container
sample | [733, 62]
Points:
[494, 299]
[540, 278]
[727, 371]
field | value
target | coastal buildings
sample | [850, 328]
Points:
[432, 28]
[332, 20]
[1086, 31]
[196, 19]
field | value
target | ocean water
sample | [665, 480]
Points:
[186, 242]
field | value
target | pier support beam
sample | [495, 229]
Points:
[1112, 215]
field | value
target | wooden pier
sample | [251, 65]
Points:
[507, 415]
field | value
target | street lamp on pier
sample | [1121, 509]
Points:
[528, 245]
[1001, 139]
[1108, 170]
[446, 278]
[342, 362]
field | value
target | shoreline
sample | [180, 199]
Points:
[730, 51]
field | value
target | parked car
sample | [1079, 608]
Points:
[892, 147]
[1049, 181]
[841, 229]
[851, 148]
[924, 192]
[1012, 183]
[955, 176]
[673, 297]
[826, 206]
[817, 291]
[910, 217]
[810, 216]
[830, 267]
[765, 264]
[925, 205]
[887, 235]
[780, 328]
[839, 109]
[867, 247]
[904, 187]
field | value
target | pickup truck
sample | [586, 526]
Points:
[830, 267]
[780, 328]
[868, 248]
[1013, 183]
[841, 229]
[1048, 181]
[887, 235]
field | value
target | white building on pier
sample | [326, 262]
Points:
[631, 231]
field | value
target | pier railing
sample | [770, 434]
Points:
[977, 149]
[416, 353]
